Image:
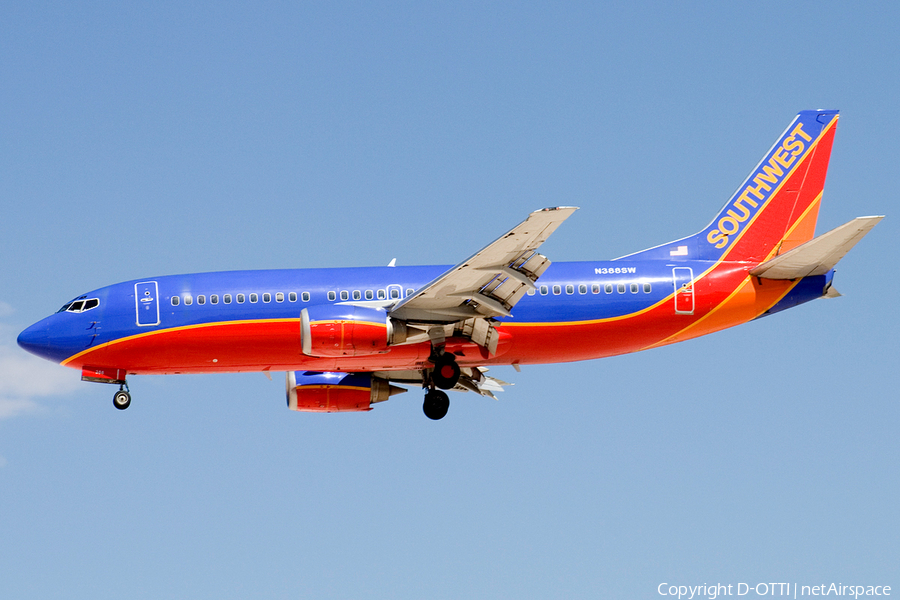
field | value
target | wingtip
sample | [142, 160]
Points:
[552, 208]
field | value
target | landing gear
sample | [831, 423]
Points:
[436, 404]
[444, 375]
[122, 398]
[446, 372]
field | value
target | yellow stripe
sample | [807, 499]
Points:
[772, 252]
[716, 309]
[780, 185]
[591, 321]
[796, 224]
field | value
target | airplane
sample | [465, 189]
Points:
[345, 337]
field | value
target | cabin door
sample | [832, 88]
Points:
[146, 303]
[684, 290]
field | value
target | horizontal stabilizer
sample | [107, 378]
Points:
[819, 255]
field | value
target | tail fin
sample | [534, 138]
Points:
[775, 209]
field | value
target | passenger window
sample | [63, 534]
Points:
[214, 299]
[608, 288]
[570, 289]
[345, 295]
[279, 297]
[557, 290]
[357, 295]
[582, 289]
[410, 292]
[253, 297]
[188, 299]
[531, 291]
[201, 299]
[381, 295]
[369, 295]
[292, 297]
[304, 296]
[395, 293]
[176, 300]
[240, 298]
[543, 290]
[267, 297]
[227, 298]
[595, 288]
[646, 288]
[332, 296]
[620, 288]
[634, 288]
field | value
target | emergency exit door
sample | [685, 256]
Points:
[684, 290]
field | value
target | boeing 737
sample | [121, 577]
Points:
[350, 338]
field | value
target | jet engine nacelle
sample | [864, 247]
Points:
[343, 330]
[316, 391]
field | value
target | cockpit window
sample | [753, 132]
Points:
[81, 305]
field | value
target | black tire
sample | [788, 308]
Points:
[446, 373]
[436, 405]
[121, 399]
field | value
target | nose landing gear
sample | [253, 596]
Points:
[122, 398]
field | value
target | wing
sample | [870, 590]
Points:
[490, 282]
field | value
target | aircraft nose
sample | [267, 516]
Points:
[36, 339]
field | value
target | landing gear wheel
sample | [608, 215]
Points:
[446, 372]
[122, 400]
[436, 405]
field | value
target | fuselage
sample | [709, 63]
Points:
[250, 320]
[344, 335]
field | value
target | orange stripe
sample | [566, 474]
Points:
[738, 308]
[784, 180]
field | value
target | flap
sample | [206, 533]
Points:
[490, 282]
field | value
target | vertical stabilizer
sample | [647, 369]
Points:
[776, 207]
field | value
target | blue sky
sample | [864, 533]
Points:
[141, 140]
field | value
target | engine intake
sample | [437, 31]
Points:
[317, 391]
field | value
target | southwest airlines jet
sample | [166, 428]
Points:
[346, 336]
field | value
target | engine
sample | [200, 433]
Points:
[345, 330]
[317, 391]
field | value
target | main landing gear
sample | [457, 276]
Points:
[436, 404]
[445, 376]
[446, 372]
[122, 398]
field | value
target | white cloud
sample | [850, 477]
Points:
[25, 378]
[13, 407]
